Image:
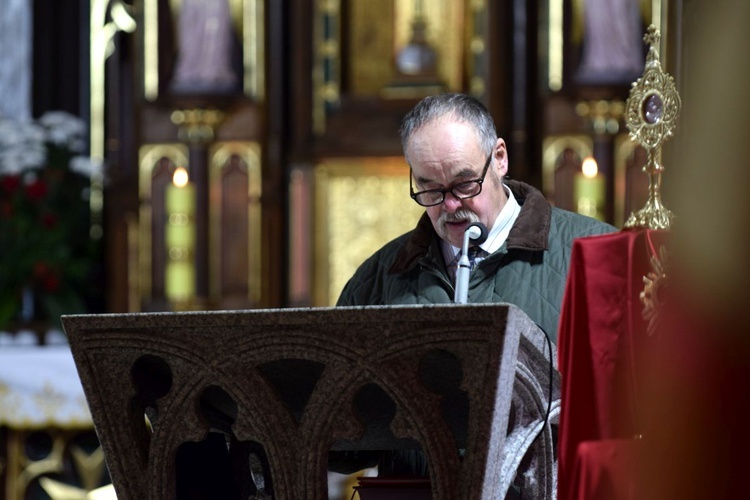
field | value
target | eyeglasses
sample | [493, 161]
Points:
[462, 190]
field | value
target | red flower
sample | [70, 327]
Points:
[46, 276]
[10, 183]
[36, 190]
[51, 282]
[41, 269]
[6, 209]
[49, 220]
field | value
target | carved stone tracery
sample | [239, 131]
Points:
[191, 353]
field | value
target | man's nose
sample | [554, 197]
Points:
[451, 203]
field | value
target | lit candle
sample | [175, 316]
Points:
[589, 190]
[179, 279]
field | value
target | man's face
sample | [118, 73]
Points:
[444, 153]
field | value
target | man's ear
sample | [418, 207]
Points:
[501, 157]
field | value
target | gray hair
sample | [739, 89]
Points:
[462, 107]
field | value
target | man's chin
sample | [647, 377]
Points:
[454, 232]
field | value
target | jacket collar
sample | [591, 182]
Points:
[530, 231]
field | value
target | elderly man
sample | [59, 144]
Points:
[458, 168]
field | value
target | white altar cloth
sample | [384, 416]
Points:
[39, 387]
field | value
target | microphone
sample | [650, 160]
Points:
[477, 233]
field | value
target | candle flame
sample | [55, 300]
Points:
[180, 177]
[589, 167]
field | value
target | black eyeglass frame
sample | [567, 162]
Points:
[451, 189]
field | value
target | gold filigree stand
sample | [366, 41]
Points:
[651, 114]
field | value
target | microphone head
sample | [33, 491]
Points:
[477, 232]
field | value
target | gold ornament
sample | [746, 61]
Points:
[654, 281]
[651, 115]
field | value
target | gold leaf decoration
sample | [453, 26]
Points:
[652, 293]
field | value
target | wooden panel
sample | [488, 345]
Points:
[235, 224]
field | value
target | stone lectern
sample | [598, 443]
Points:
[472, 386]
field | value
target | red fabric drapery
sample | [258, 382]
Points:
[602, 333]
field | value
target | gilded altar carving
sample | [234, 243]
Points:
[360, 205]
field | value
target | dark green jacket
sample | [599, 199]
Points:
[529, 270]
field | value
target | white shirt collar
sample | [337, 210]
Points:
[503, 223]
[498, 234]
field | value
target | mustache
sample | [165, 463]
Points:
[458, 216]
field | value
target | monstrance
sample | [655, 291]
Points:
[651, 114]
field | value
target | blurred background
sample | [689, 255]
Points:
[171, 155]
[285, 115]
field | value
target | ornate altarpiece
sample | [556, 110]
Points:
[234, 220]
[358, 43]
[586, 112]
[352, 55]
[188, 118]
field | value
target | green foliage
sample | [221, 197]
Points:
[45, 247]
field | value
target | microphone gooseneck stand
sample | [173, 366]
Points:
[477, 233]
